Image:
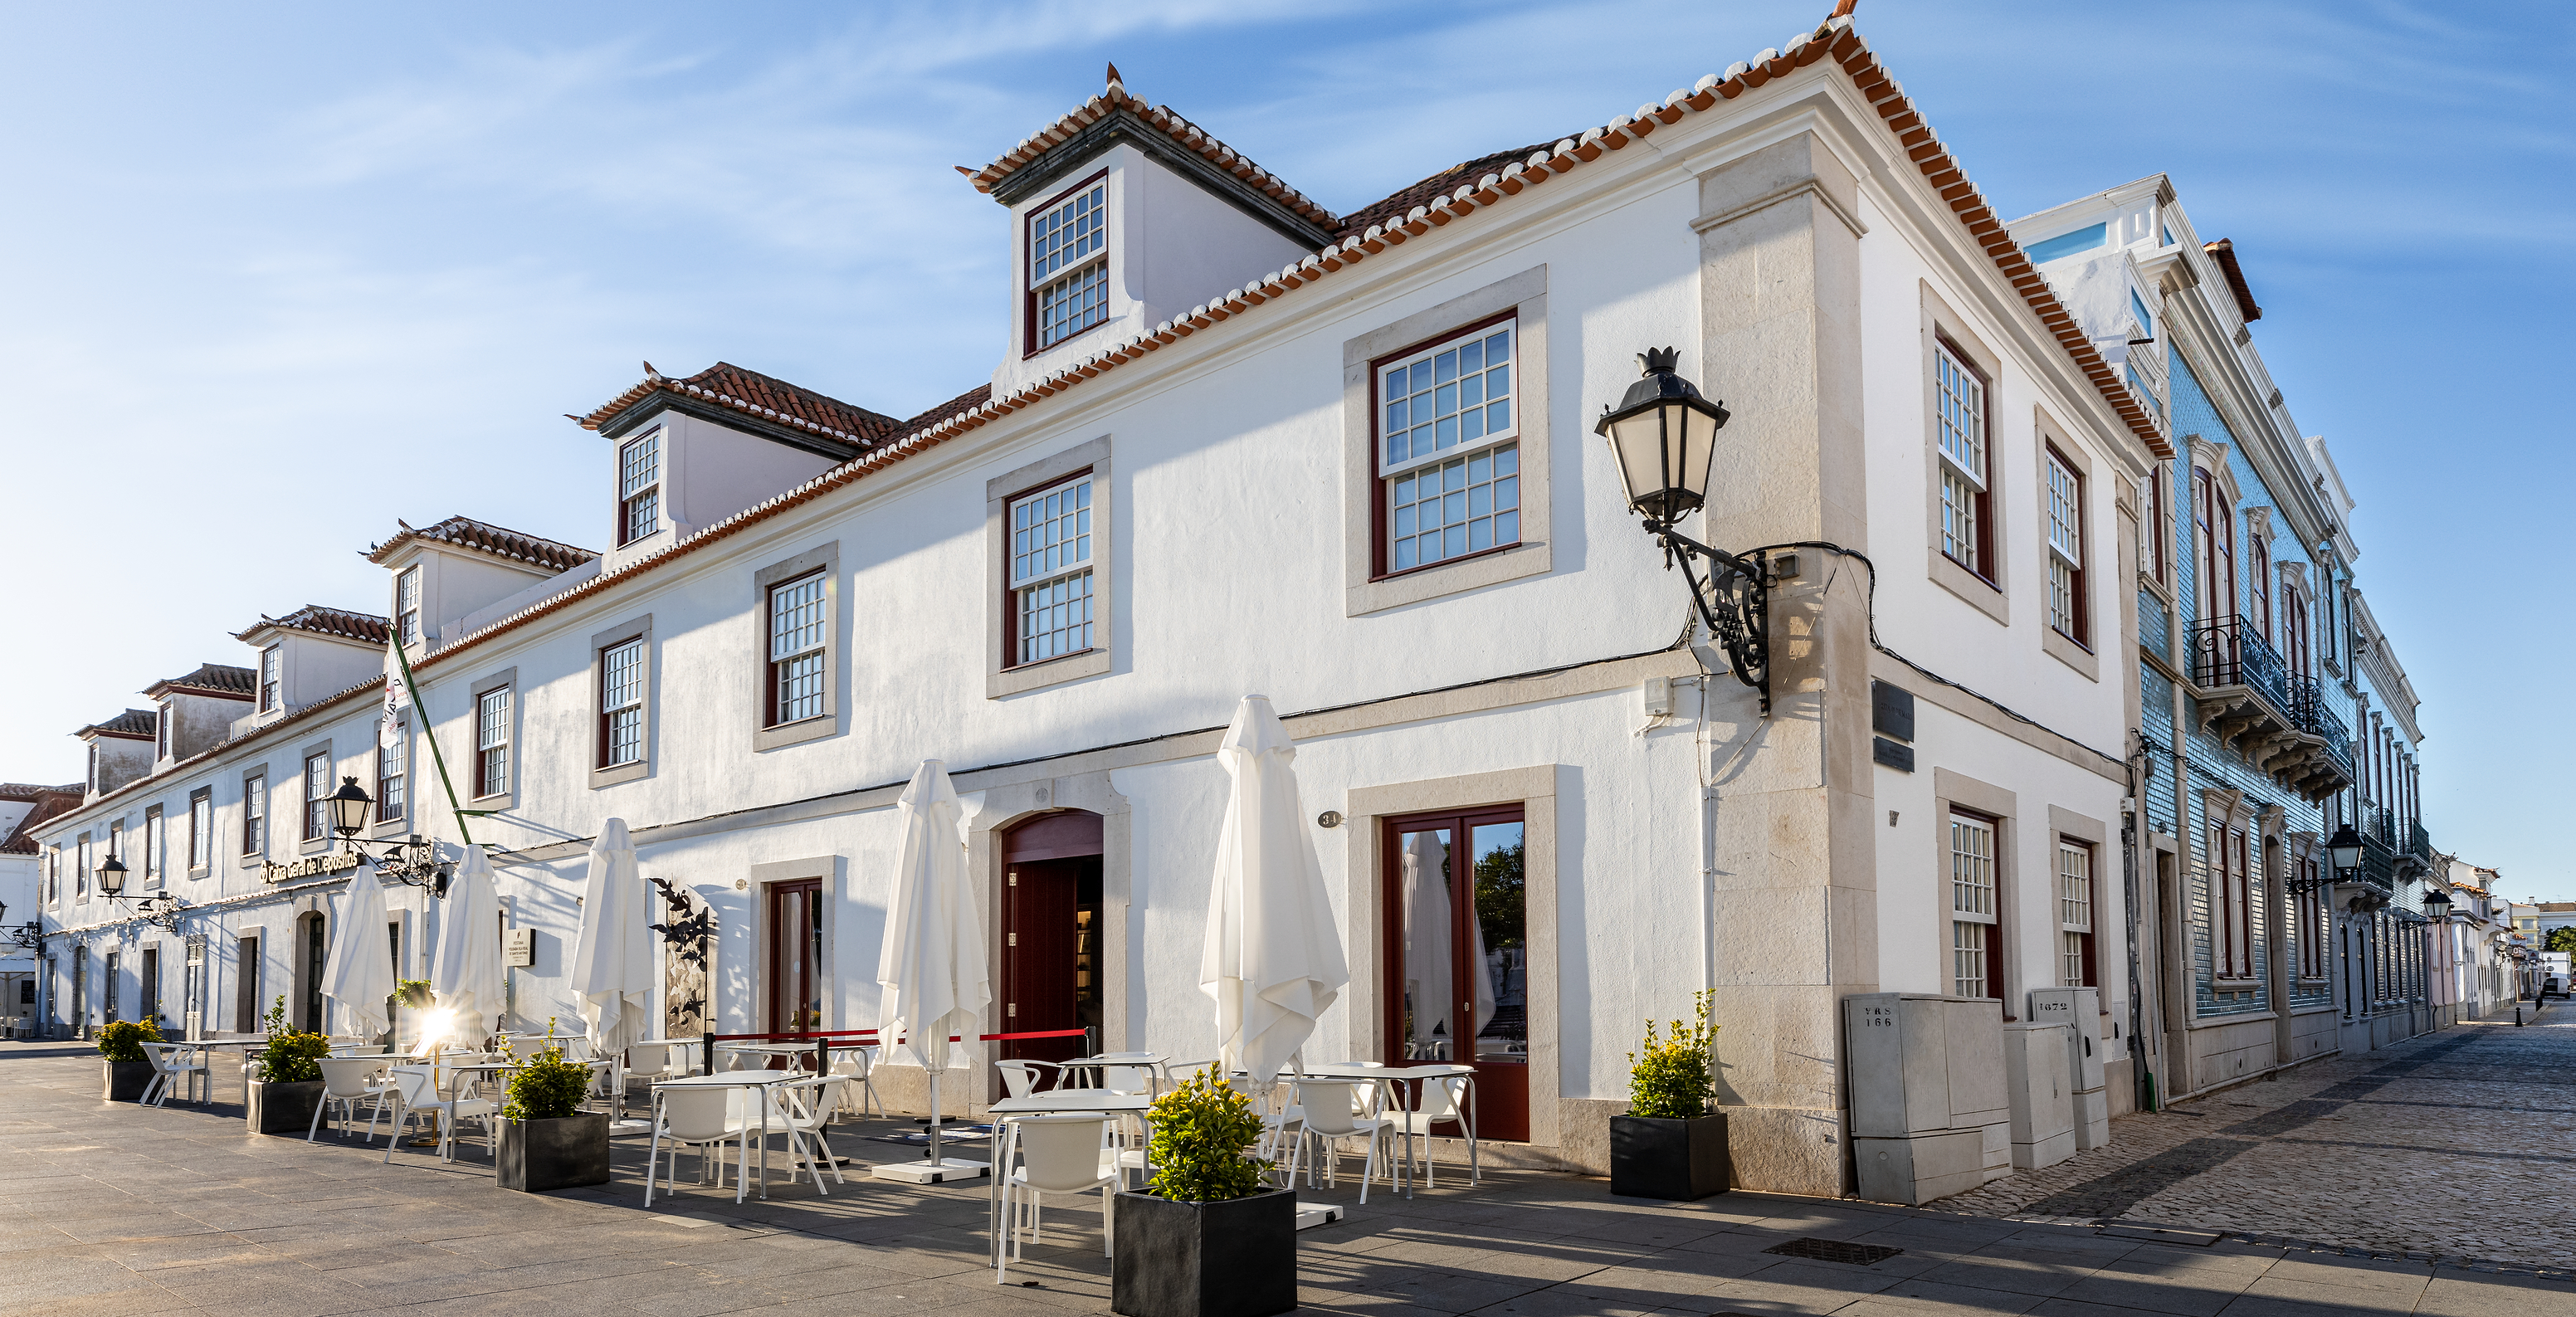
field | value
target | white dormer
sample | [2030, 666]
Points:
[310, 654]
[119, 750]
[195, 713]
[443, 576]
[1131, 217]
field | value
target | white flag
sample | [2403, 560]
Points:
[386, 726]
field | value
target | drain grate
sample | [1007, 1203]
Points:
[1835, 1250]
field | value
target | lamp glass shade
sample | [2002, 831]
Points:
[349, 806]
[111, 877]
[2343, 850]
[2437, 903]
[1663, 435]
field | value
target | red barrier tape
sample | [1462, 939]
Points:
[853, 1033]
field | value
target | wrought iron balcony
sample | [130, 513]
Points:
[2250, 701]
[2419, 843]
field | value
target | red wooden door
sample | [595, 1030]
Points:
[1458, 954]
[1051, 972]
[795, 956]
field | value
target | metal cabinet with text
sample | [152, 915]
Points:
[2042, 1099]
[2081, 1010]
[1930, 1112]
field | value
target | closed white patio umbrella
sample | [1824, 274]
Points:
[931, 969]
[466, 971]
[1273, 959]
[358, 967]
[612, 953]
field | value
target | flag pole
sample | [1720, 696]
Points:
[403, 660]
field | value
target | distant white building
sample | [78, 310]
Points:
[23, 807]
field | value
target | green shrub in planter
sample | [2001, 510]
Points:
[293, 1056]
[1669, 1077]
[1209, 1240]
[414, 993]
[1671, 1144]
[545, 1086]
[123, 1040]
[546, 1140]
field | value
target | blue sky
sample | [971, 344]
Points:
[272, 276]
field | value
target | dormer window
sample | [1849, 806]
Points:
[272, 668]
[1069, 264]
[639, 487]
[407, 605]
[161, 728]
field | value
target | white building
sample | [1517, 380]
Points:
[1205, 467]
[23, 808]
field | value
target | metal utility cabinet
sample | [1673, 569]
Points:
[2081, 1009]
[2043, 1110]
[1930, 1115]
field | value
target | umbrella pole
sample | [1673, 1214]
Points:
[934, 1117]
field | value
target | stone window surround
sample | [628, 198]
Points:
[631, 629]
[1988, 594]
[384, 830]
[304, 795]
[1001, 677]
[2232, 811]
[827, 559]
[830, 869]
[2065, 824]
[1007, 805]
[1951, 788]
[473, 738]
[1523, 296]
[252, 859]
[1534, 789]
[2048, 437]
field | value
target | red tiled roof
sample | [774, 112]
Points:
[2223, 251]
[1188, 136]
[28, 791]
[1835, 39]
[211, 679]
[336, 622]
[1438, 185]
[768, 398]
[49, 802]
[484, 537]
[136, 724]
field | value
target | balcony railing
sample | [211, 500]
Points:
[2308, 710]
[2230, 652]
[2419, 842]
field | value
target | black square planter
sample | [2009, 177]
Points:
[1675, 1159]
[126, 1080]
[1236, 1258]
[565, 1153]
[282, 1108]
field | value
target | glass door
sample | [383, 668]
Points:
[1458, 955]
[795, 957]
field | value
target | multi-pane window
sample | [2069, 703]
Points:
[254, 839]
[407, 605]
[1973, 926]
[272, 666]
[201, 828]
[1069, 266]
[2310, 912]
[80, 868]
[2065, 549]
[317, 796]
[799, 631]
[53, 875]
[2258, 589]
[161, 728]
[393, 778]
[2214, 541]
[2075, 913]
[1448, 452]
[621, 703]
[156, 847]
[1959, 399]
[492, 742]
[1051, 572]
[2159, 529]
[2231, 901]
[639, 487]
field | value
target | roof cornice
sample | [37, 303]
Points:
[733, 414]
[1122, 124]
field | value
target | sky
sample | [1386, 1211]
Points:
[272, 276]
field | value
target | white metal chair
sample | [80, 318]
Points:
[170, 1063]
[348, 1081]
[859, 1063]
[1064, 1154]
[415, 1092]
[702, 1118]
[1330, 1110]
[1284, 1127]
[805, 1108]
[1444, 1100]
[1021, 1077]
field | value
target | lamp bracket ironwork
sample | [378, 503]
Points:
[1733, 599]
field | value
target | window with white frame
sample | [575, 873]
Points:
[407, 605]
[799, 632]
[254, 838]
[1069, 266]
[161, 721]
[2066, 613]
[53, 875]
[393, 777]
[317, 795]
[621, 703]
[272, 666]
[156, 847]
[1972, 905]
[201, 828]
[2075, 913]
[1448, 450]
[1051, 566]
[1959, 399]
[80, 868]
[639, 487]
[492, 742]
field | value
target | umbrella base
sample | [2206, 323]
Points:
[1311, 1215]
[927, 1172]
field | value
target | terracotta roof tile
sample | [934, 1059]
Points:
[484, 537]
[1113, 100]
[49, 802]
[771, 399]
[2223, 251]
[131, 723]
[336, 622]
[1402, 201]
[219, 678]
[27, 791]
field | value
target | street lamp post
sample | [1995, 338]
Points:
[1663, 435]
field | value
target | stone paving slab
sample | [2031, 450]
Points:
[114, 1209]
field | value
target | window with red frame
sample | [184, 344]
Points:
[1959, 398]
[1448, 449]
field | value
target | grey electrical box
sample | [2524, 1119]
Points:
[2043, 1107]
[2080, 1009]
[1931, 1115]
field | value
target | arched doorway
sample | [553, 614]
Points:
[310, 949]
[1051, 934]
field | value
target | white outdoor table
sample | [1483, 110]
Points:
[1154, 1063]
[1055, 1101]
[1400, 1074]
[760, 1079]
[789, 1050]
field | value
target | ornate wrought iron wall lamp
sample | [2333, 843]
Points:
[412, 861]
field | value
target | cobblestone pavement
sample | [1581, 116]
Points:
[2458, 1144]
[107, 1209]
